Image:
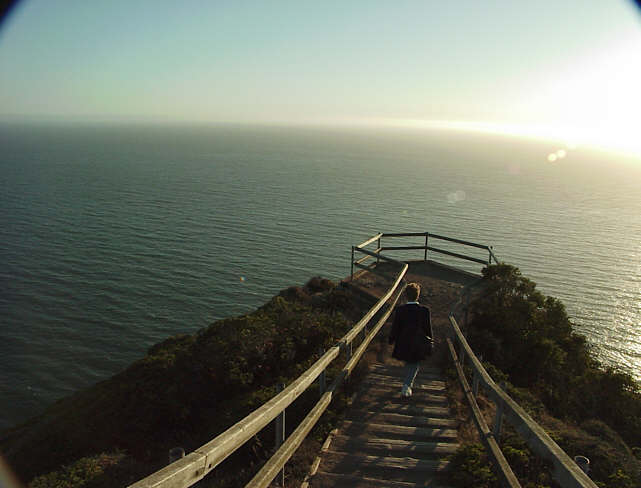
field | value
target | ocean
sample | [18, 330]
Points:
[114, 237]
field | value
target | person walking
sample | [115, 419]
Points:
[411, 335]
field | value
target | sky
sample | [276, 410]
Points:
[563, 69]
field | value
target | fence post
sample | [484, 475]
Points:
[475, 384]
[321, 377]
[498, 419]
[351, 278]
[378, 246]
[280, 435]
[426, 235]
[348, 350]
[489, 258]
[461, 354]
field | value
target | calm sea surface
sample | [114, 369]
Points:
[113, 238]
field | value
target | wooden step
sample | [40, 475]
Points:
[388, 431]
[391, 447]
[331, 480]
[400, 370]
[401, 375]
[419, 382]
[407, 469]
[395, 385]
[364, 415]
[413, 409]
[393, 395]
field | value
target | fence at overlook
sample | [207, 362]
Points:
[203, 460]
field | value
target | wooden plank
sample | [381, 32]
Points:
[356, 355]
[184, 472]
[362, 260]
[349, 337]
[359, 464]
[353, 427]
[411, 409]
[394, 396]
[456, 255]
[369, 267]
[378, 255]
[399, 370]
[334, 480]
[393, 447]
[405, 234]
[393, 388]
[420, 382]
[459, 241]
[370, 240]
[401, 248]
[364, 415]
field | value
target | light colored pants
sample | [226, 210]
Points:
[411, 370]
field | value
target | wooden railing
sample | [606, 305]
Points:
[371, 254]
[564, 470]
[196, 465]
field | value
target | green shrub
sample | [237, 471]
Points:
[512, 321]
[81, 474]
[470, 466]
[188, 388]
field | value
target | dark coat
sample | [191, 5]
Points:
[407, 319]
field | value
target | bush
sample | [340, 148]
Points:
[187, 389]
[512, 321]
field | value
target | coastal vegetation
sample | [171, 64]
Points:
[185, 391]
[189, 388]
[590, 409]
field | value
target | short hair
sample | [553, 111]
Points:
[413, 290]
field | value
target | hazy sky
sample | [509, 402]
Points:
[554, 67]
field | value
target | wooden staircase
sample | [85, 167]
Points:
[387, 440]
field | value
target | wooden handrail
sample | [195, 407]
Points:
[425, 247]
[565, 471]
[366, 318]
[458, 241]
[370, 240]
[435, 236]
[502, 466]
[377, 255]
[193, 467]
[272, 467]
[456, 255]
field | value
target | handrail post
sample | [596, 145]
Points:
[426, 236]
[347, 347]
[498, 419]
[378, 246]
[475, 384]
[351, 278]
[489, 257]
[322, 376]
[280, 434]
[476, 378]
